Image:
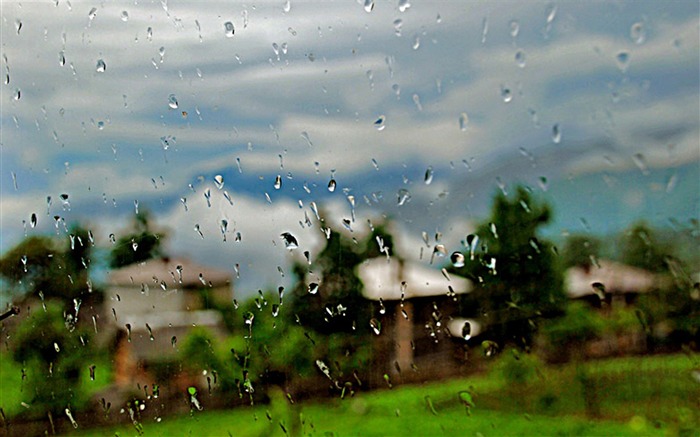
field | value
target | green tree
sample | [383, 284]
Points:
[51, 268]
[54, 354]
[514, 270]
[141, 243]
[337, 305]
[640, 247]
[580, 251]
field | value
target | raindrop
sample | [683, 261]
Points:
[172, 101]
[457, 259]
[428, 175]
[287, 6]
[32, 220]
[379, 123]
[101, 66]
[404, 5]
[290, 242]
[278, 182]
[92, 372]
[92, 14]
[332, 185]
[492, 227]
[313, 288]
[369, 5]
[463, 121]
[125, 16]
[641, 163]
[416, 42]
[70, 417]
[404, 196]
[551, 13]
[398, 24]
[467, 330]
[416, 101]
[638, 33]
[520, 58]
[198, 230]
[556, 133]
[219, 181]
[623, 60]
[514, 28]
[18, 94]
[484, 29]
[542, 181]
[207, 196]
[149, 34]
[229, 30]
[376, 326]
[61, 58]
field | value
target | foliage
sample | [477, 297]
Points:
[338, 305]
[514, 270]
[579, 324]
[141, 243]
[51, 268]
[54, 353]
[580, 250]
[640, 247]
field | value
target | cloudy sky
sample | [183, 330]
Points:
[594, 105]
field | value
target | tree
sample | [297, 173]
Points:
[49, 268]
[517, 281]
[140, 244]
[54, 353]
[640, 247]
[337, 305]
[580, 251]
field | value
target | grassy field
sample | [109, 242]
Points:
[656, 395]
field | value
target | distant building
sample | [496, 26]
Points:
[417, 327]
[150, 306]
[610, 283]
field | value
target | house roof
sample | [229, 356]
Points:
[383, 279]
[175, 272]
[615, 277]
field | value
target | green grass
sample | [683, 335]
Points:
[636, 396]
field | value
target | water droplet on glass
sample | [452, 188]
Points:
[638, 33]
[641, 163]
[61, 58]
[287, 6]
[149, 34]
[550, 13]
[290, 242]
[32, 220]
[379, 123]
[332, 185]
[463, 121]
[514, 28]
[70, 417]
[228, 29]
[457, 259]
[506, 94]
[101, 66]
[520, 58]
[416, 101]
[125, 16]
[172, 101]
[556, 133]
[428, 175]
[219, 181]
[404, 196]
[416, 42]
[278, 182]
[467, 330]
[376, 326]
[92, 14]
[398, 24]
[484, 29]
[369, 5]
[542, 181]
[623, 60]
[404, 5]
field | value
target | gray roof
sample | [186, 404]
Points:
[382, 278]
[175, 272]
[615, 277]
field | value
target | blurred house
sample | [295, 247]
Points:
[609, 283]
[416, 328]
[150, 306]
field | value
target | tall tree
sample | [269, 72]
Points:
[514, 270]
[141, 243]
[640, 247]
[581, 250]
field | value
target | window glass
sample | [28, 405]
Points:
[378, 216]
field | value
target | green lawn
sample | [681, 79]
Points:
[634, 396]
